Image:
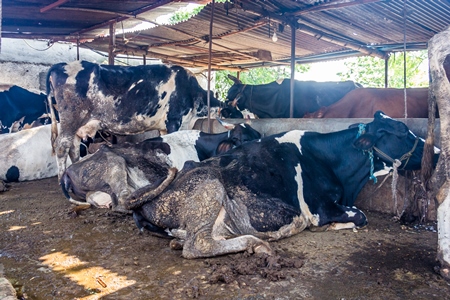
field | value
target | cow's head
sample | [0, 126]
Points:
[235, 92]
[237, 135]
[391, 142]
[231, 112]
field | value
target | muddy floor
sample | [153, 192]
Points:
[48, 251]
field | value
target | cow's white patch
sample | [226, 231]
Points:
[182, 147]
[188, 121]
[136, 178]
[99, 199]
[134, 84]
[339, 226]
[72, 71]
[383, 171]
[219, 225]
[293, 137]
[248, 114]
[350, 213]
[309, 217]
[30, 151]
[385, 116]
[443, 217]
[89, 129]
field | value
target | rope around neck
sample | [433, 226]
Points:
[362, 130]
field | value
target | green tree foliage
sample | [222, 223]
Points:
[184, 15]
[369, 71]
[254, 76]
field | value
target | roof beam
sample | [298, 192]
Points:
[186, 62]
[291, 20]
[53, 5]
[338, 41]
[126, 16]
[330, 5]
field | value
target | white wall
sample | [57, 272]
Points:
[25, 62]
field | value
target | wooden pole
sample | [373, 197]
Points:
[112, 43]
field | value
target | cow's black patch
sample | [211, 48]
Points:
[13, 174]
[17, 103]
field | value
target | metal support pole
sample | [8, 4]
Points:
[78, 48]
[291, 106]
[386, 72]
[209, 65]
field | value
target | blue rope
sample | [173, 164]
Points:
[361, 130]
[371, 167]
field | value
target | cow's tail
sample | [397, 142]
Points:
[65, 184]
[50, 97]
[148, 193]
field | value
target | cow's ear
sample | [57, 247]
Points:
[365, 141]
[234, 79]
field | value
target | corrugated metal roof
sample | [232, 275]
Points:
[242, 30]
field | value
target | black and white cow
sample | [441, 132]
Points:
[274, 187]
[20, 107]
[112, 173]
[27, 155]
[120, 100]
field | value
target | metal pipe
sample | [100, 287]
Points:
[209, 65]
[291, 106]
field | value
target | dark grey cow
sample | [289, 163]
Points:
[113, 172]
[274, 187]
[120, 100]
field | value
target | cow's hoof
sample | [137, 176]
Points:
[122, 210]
[79, 203]
[262, 248]
[319, 228]
[3, 186]
[176, 244]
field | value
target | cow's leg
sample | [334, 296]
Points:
[63, 145]
[74, 151]
[202, 213]
[340, 216]
[202, 245]
[118, 183]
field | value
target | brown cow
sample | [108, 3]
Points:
[364, 102]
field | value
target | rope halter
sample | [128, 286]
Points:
[395, 162]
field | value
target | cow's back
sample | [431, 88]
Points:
[364, 102]
[17, 103]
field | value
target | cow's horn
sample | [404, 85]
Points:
[227, 125]
[234, 79]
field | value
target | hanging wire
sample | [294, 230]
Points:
[49, 46]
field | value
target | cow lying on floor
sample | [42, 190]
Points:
[20, 108]
[274, 188]
[27, 155]
[112, 173]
